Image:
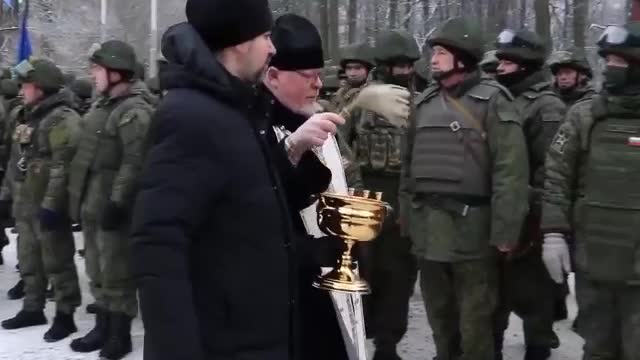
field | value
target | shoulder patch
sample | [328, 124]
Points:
[559, 141]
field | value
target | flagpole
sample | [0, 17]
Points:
[103, 20]
[153, 50]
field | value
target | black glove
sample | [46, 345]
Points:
[114, 215]
[50, 220]
[5, 209]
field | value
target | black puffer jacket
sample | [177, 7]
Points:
[213, 244]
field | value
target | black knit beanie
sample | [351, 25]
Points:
[298, 44]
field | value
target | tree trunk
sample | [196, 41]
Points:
[425, 14]
[408, 14]
[580, 14]
[565, 22]
[393, 14]
[352, 20]
[334, 29]
[323, 9]
[543, 21]
[634, 14]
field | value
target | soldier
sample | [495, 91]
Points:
[356, 62]
[463, 191]
[102, 180]
[526, 287]
[43, 145]
[83, 90]
[489, 64]
[591, 189]
[572, 75]
[376, 142]
[10, 94]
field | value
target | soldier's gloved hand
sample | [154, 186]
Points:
[314, 132]
[5, 209]
[555, 255]
[50, 220]
[114, 215]
[390, 101]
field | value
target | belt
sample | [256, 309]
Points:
[459, 205]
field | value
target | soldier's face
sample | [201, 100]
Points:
[297, 90]
[507, 67]
[441, 60]
[567, 78]
[257, 54]
[100, 77]
[31, 93]
[356, 73]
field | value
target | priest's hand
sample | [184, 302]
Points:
[314, 132]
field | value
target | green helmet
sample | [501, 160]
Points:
[115, 55]
[359, 53]
[460, 34]
[83, 88]
[396, 45]
[330, 77]
[574, 59]
[623, 41]
[520, 46]
[9, 88]
[489, 62]
[44, 73]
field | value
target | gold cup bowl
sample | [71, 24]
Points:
[353, 219]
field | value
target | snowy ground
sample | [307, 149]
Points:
[27, 344]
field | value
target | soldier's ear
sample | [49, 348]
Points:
[271, 76]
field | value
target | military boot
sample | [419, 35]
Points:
[63, 326]
[118, 343]
[95, 339]
[25, 319]
[17, 291]
[536, 352]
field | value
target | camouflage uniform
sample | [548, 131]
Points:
[591, 189]
[464, 191]
[387, 263]
[574, 59]
[423, 74]
[526, 287]
[104, 171]
[42, 146]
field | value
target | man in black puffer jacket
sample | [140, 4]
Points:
[213, 243]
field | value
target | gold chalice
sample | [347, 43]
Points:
[353, 219]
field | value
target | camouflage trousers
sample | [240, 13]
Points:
[609, 319]
[388, 265]
[526, 289]
[460, 299]
[47, 256]
[107, 256]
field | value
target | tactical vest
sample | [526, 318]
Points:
[608, 217]
[99, 150]
[378, 144]
[450, 154]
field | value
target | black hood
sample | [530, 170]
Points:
[192, 65]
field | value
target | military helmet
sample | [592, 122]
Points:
[44, 73]
[358, 53]
[520, 46]
[489, 62]
[623, 41]
[395, 45]
[9, 88]
[574, 59]
[83, 88]
[460, 34]
[115, 55]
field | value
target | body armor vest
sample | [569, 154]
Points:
[379, 144]
[608, 217]
[450, 154]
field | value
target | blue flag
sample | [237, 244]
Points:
[24, 46]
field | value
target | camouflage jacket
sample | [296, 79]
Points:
[110, 151]
[541, 112]
[7, 191]
[441, 235]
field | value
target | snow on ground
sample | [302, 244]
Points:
[27, 344]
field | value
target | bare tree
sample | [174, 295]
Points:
[580, 13]
[352, 20]
[393, 14]
[543, 21]
[323, 9]
[523, 13]
[334, 28]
